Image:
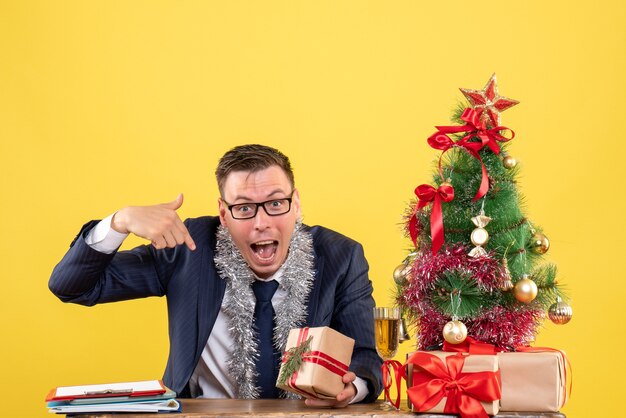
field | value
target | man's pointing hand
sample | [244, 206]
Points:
[158, 224]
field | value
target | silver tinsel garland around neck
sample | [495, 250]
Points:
[296, 280]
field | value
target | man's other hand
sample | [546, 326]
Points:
[158, 224]
[343, 398]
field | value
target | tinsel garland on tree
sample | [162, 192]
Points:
[476, 257]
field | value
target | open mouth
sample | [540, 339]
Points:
[264, 250]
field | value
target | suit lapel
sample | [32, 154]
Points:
[313, 300]
[211, 290]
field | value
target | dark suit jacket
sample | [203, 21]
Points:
[341, 296]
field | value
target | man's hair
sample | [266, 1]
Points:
[251, 158]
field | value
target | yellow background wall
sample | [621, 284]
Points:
[110, 103]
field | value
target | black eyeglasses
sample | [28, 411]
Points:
[274, 207]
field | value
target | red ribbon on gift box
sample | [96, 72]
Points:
[315, 357]
[471, 346]
[463, 391]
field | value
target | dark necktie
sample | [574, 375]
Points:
[267, 364]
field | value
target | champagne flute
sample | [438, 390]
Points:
[386, 330]
[387, 325]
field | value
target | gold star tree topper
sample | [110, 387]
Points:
[488, 102]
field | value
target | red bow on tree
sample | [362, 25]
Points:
[426, 194]
[474, 128]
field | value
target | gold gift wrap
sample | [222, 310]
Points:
[323, 366]
[533, 381]
[473, 363]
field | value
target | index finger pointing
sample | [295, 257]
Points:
[189, 242]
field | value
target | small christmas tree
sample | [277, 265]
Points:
[476, 268]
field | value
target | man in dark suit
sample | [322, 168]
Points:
[235, 284]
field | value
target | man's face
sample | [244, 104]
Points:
[262, 240]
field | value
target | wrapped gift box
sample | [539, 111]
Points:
[472, 364]
[322, 365]
[533, 381]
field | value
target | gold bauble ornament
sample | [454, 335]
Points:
[400, 272]
[509, 162]
[525, 289]
[455, 332]
[539, 243]
[560, 312]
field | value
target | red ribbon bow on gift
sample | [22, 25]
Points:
[474, 128]
[426, 194]
[463, 391]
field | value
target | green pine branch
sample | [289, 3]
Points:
[294, 360]
[457, 294]
[544, 277]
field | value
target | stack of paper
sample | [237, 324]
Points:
[143, 396]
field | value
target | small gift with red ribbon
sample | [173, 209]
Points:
[453, 383]
[534, 379]
[314, 362]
